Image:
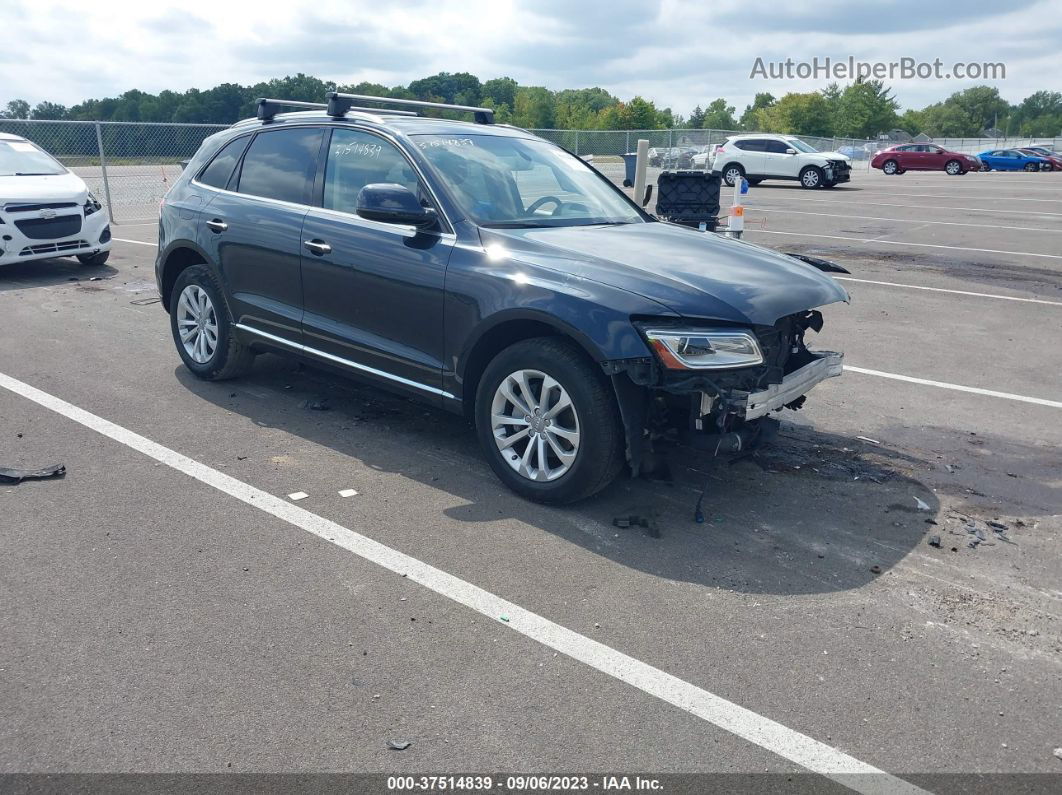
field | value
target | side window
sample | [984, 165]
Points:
[778, 147]
[281, 164]
[217, 174]
[357, 159]
[750, 145]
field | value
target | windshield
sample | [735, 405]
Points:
[23, 159]
[799, 145]
[517, 182]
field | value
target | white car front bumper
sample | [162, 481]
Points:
[34, 231]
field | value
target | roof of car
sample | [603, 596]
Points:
[9, 137]
[408, 125]
[780, 136]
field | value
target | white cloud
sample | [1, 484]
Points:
[677, 52]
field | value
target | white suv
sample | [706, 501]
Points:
[760, 156]
[46, 211]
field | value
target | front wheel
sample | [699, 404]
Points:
[953, 167]
[812, 177]
[548, 423]
[755, 181]
[98, 258]
[202, 327]
[1031, 167]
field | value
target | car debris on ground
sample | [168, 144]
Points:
[19, 475]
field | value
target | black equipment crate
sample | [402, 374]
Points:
[689, 198]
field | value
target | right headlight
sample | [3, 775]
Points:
[704, 349]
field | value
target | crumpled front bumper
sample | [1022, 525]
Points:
[827, 364]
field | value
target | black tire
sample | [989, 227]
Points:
[755, 180]
[1031, 167]
[600, 454]
[812, 177]
[890, 167]
[98, 258]
[728, 173]
[231, 357]
[954, 168]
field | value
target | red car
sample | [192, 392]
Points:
[1038, 151]
[923, 157]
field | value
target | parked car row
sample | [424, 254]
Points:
[931, 157]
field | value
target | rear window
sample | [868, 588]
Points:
[217, 174]
[281, 164]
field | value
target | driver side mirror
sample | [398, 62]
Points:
[389, 203]
[790, 151]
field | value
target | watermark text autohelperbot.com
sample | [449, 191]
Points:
[851, 69]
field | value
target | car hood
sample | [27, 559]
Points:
[694, 274]
[834, 155]
[53, 187]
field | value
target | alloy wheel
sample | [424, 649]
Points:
[535, 425]
[197, 323]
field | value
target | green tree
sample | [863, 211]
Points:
[750, 119]
[501, 91]
[533, 107]
[460, 88]
[16, 109]
[983, 105]
[865, 109]
[801, 114]
[49, 110]
[718, 116]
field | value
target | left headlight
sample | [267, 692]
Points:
[92, 205]
[705, 349]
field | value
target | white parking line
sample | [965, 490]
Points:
[945, 290]
[764, 732]
[957, 387]
[919, 221]
[138, 242]
[904, 243]
[849, 202]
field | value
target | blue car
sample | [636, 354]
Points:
[1012, 160]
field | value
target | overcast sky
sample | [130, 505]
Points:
[678, 53]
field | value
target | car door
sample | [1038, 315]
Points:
[373, 292]
[776, 161]
[253, 231]
[935, 157]
[751, 157]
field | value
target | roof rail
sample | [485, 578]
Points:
[339, 104]
[268, 108]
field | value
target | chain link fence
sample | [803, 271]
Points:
[131, 165]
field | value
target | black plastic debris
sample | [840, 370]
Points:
[999, 527]
[19, 475]
[398, 745]
[318, 404]
[875, 569]
[634, 520]
[934, 541]
[818, 262]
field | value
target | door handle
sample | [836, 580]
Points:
[318, 247]
[217, 225]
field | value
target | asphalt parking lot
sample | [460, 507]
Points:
[167, 608]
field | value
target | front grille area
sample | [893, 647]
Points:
[54, 248]
[32, 208]
[49, 228]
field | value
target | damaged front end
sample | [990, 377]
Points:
[713, 387]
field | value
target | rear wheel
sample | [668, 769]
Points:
[202, 327]
[732, 173]
[890, 167]
[812, 177]
[547, 422]
[953, 167]
[98, 258]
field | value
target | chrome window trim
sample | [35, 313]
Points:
[346, 362]
[447, 233]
